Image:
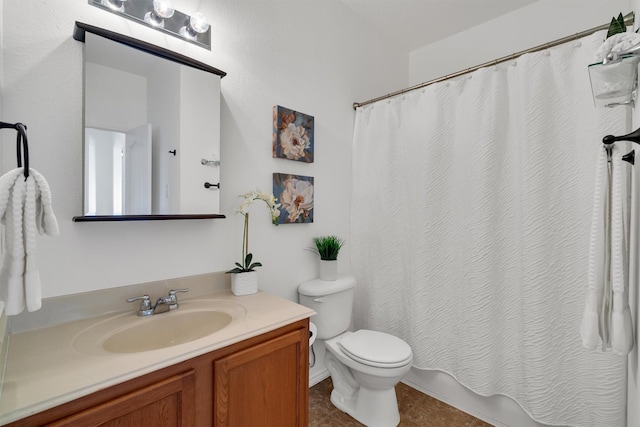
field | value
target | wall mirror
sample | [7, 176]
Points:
[151, 131]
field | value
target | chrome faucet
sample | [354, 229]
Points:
[163, 304]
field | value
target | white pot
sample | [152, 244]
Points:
[244, 283]
[328, 269]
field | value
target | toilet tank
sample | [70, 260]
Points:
[333, 303]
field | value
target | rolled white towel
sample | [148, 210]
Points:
[616, 43]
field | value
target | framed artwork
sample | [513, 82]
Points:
[295, 194]
[292, 135]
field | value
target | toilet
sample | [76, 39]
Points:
[364, 365]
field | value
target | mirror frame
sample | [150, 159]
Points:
[79, 34]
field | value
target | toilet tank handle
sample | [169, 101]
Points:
[319, 299]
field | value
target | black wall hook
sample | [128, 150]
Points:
[21, 144]
[633, 137]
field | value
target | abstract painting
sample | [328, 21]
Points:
[292, 135]
[295, 194]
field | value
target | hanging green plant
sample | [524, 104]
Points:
[616, 26]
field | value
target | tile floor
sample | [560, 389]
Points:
[416, 410]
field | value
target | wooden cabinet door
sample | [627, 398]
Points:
[167, 403]
[264, 385]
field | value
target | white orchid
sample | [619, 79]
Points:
[269, 199]
[246, 264]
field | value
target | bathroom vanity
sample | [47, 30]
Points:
[254, 371]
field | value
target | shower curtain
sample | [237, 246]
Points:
[470, 222]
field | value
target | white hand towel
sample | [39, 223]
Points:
[607, 318]
[44, 216]
[12, 271]
[598, 273]
[25, 208]
[621, 333]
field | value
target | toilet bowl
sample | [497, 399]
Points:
[365, 366]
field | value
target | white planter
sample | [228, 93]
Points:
[328, 269]
[244, 283]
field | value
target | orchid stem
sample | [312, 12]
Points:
[245, 237]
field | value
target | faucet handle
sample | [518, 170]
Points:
[172, 299]
[145, 304]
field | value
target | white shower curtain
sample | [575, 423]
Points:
[470, 231]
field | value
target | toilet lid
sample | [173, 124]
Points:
[376, 349]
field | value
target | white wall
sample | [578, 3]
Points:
[200, 139]
[1, 70]
[165, 135]
[107, 90]
[307, 55]
[529, 26]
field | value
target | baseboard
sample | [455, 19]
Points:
[320, 376]
[448, 402]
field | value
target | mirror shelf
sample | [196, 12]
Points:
[102, 218]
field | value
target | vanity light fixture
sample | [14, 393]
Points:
[161, 15]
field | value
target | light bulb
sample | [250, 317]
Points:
[162, 9]
[197, 25]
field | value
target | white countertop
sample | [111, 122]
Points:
[44, 369]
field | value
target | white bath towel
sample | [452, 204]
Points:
[25, 208]
[607, 318]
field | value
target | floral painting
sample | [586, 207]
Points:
[292, 135]
[295, 194]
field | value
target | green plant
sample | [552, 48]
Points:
[616, 26]
[328, 247]
[245, 265]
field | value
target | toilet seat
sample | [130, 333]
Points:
[376, 349]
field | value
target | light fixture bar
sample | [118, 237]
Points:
[176, 25]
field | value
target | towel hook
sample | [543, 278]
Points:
[21, 144]
[633, 137]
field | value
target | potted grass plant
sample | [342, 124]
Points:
[328, 247]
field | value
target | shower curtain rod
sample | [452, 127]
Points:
[628, 20]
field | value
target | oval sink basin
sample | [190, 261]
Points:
[166, 331]
[128, 333]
